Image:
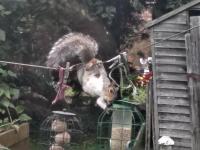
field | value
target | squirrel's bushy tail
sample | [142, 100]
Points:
[73, 48]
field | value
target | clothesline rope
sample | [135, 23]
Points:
[36, 66]
[73, 66]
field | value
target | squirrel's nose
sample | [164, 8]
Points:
[97, 75]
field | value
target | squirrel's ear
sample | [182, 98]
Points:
[91, 63]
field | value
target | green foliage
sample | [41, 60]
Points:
[141, 96]
[104, 9]
[120, 16]
[70, 92]
[175, 4]
[19, 109]
[28, 28]
[164, 6]
[8, 93]
[2, 35]
[24, 117]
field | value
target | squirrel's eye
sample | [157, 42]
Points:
[111, 91]
[97, 75]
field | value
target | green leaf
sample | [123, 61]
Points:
[2, 35]
[69, 92]
[3, 72]
[1, 92]
[24, 117]
[7, 12]
[6, 120]
[7, 93]
[11, 105]
[19, 109]
[1, 7]
[12, 74]
[15, 93]
[6, 90]
[2, 111]
[5, 102]
[23, 19]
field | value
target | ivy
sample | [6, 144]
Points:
[8, 93]
[164, 6]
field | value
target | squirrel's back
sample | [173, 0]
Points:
[92, 75]
[73, 48]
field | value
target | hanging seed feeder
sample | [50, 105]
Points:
[59, 130]
[118, 128]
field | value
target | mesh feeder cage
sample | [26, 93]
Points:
[59, 131]
[118, 129]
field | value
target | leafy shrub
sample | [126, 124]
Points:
[10, 113]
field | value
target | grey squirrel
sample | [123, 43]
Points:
[92, 76]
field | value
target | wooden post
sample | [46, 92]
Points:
[148, 134]
[193, 70]
[155, 127]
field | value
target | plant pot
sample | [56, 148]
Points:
[11, 136]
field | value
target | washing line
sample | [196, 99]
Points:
[74, 66]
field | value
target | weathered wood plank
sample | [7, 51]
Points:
[196, 7]
[174, 109]
[174, 117]
[171, 27]
[171, 15]
[174, 101]
[193, 65]
[155, 127]
[172, 77]
[168, 30]
[11, 137]
[175, 125]
[182, 143]
[169, 47]
[176, 133]
[190, 84]
[170, 44]
[171, 69]
[172, 93]
[148, 135]
[181, 148]
[172, 85]
[180, 18]
[173, 53]
[170, 61]
[169, 50]
[164, 35]
[179, 39]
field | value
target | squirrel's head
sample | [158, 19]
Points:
[93, 62]
[110, 93]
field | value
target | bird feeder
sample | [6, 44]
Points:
[118, 128]
[59, 130]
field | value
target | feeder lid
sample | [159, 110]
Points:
[64, 113]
